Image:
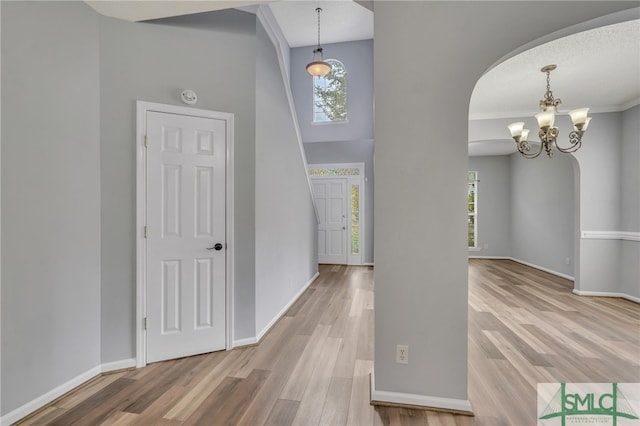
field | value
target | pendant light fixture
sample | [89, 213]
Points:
[548, 133]
[318, 67]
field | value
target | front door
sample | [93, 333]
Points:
[331, 201]
[186, 263]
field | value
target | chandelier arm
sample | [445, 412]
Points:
[523, 148]
[575, 139]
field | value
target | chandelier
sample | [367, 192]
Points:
[548, 133]
[318, 67]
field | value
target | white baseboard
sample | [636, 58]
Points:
[473, 256]
[52, 395]
[123, 364]
[368, 264]
[243, 342]
[559, 274]
[253, 340]
[428, 402]
[606, 294]
[286, 308]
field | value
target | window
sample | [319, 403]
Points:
[355, 219]
[330, 94]
[472, 208]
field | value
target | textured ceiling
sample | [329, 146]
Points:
[599, 68]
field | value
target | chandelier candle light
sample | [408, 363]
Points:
[318, 67]
[548, 133]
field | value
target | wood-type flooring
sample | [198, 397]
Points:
[525, 327]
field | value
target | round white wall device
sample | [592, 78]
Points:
[189, 97]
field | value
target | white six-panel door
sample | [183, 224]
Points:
[331, 201]
[185, 283]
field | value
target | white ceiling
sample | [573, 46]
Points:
[598, 68]
[342, 20]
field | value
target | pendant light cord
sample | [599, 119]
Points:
[319, 9]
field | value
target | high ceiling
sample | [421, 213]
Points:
[342, 20]
[598, 68]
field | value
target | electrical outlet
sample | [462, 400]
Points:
[486, 246]
[567, 261]
[402, 354]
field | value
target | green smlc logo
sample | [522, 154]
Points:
[565, 405]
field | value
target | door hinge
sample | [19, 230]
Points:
[145, 323]
[145, 141]
[145, 231]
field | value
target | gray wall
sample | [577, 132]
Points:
[605, 198]
[630, 197]
[357, 57]
[50, 197]
[351, 152]
[421, 288]
[74, 174]
[494, 206]
[542, 211]
[286, 224]
[600, 201]
[155, 62]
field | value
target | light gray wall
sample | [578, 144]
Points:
[605, 198]
[286, 225]
[421, 164]
[542, 211]
[494, 206]
[351, 152]
[155, 62]
[600, 201]
[357, 57]
[630, 196]
[50, 197]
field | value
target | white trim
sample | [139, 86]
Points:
[368, 264]
[493, 257]
[244, 342]
[610, 235]
[560, 274]
[123, 364]
[606, 294]
[426, 401]
[256, 339]
[284, 310]
[41, 401]
[142, 107]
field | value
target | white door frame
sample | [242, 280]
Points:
[360, 178]
[141, 213]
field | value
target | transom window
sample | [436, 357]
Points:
[330, 94]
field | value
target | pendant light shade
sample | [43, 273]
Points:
[318, 67]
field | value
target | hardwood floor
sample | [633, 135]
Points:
[312, 368]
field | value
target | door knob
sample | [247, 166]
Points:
[217, 247]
